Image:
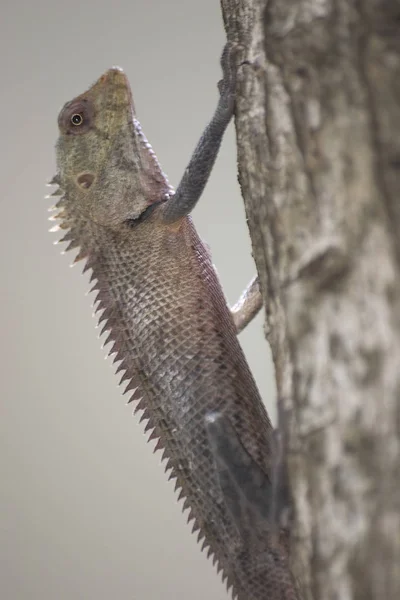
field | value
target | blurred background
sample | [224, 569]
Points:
[85, 509]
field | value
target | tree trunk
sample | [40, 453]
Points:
[318, 134]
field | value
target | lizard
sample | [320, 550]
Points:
[173, 336]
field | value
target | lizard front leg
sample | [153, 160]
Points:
[248, 305]
[199, 168]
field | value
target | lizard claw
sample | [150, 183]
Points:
[227, 85]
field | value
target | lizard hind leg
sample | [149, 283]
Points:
[248, 495]
[245, 487]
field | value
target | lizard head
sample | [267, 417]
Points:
[107, 170]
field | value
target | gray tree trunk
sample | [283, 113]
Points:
[318, 134]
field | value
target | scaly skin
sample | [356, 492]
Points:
[172, 332]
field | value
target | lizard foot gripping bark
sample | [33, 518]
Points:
[172, 334]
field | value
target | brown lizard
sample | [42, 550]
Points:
[172, 332]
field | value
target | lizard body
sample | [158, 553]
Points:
[171, 330]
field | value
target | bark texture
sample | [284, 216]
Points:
[318, 132]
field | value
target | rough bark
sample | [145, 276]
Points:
[318, 134]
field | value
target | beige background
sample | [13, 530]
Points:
[85, 510]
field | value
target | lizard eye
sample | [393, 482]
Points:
[76, 117]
